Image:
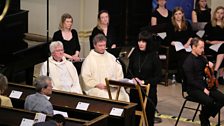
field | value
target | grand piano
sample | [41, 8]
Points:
[17, 60]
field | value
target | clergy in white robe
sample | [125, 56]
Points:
[63, 73]
[97, 66]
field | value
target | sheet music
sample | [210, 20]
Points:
[215, 47]
[15, 94]
[116, 111]
[127, 80]
[82, 106]
[39, 117]
[200, 33]
[179, 46]
[26, 122]
[162, 35]
[162, 57]
[65, 114]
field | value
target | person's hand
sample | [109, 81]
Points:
[141, 82]
[206, 91]
[113, 46]
[172, 43]
[75, 58]
[210, 64]
[101, 86]
[186, 45]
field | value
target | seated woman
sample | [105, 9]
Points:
[201, 13]
[104, 28]
[179, 30]
[214, 32]
[68, 37]
[5, 101]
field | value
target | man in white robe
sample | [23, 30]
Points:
[97, 66]
[63, 73]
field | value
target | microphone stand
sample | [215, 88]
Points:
[143, 91]
[47, 34]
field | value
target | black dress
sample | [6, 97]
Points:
[203, 15]
[70, 46]
[111, 36]
[180, 36]
[147, 67]
[213, 33]
[160, 18]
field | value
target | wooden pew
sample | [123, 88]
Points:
[68, 102]
[13, 117]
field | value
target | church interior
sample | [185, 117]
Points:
[28, 27]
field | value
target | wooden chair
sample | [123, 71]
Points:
[143, 101]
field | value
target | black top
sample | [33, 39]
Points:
[193, 68]
[203, 15]
[145, 66]
[70, 46]
[160, 18]
[181, 36]
[111, 36]
[213, 33]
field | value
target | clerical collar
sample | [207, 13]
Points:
[98, 52]
[57, 60]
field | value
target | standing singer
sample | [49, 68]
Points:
[212, 99]
[145, 67]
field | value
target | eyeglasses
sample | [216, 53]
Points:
[59, 50]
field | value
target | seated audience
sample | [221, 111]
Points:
[68, 37]
[212, 100]
[97, 66]
[201, 13]
[5, 101]
[104, 28]
[57, 120]
[63, 73]
[39, 102]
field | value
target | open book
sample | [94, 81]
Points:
[179, 46]
[215, 47]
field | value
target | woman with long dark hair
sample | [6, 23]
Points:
[201, 13]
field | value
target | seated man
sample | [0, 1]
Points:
[63, 73]
[212, 100]
[39, 102]
[97, 66]
[4, 101]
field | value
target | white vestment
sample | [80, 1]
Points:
[63, 74]
[95, 68]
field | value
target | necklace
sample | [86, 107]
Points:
[139, 63]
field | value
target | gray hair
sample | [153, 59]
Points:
[3, 83]
[54, 44]
[99, 38]
[41, 82]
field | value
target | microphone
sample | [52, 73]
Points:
[121, 55]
